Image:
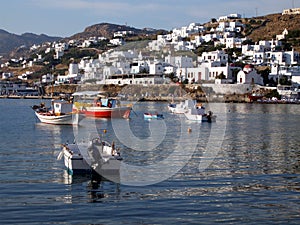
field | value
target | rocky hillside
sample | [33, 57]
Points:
[9, 41]
[270, 25]
[107, 30]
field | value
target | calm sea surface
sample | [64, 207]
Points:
[244, 169]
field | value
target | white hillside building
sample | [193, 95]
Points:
[72, 76]
[156, 68]
[214, 56]
[139, 66]
[249, 76]
[179, 61]
[92, 69]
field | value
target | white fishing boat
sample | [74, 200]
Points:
[60, 113]
[178, 108]
[101, 157]
[182, 107]
[198, 113]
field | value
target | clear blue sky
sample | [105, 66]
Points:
[67, 17]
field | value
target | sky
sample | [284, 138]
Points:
[64, 18]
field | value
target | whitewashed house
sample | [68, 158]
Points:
[72, 76]
[47, 79]
[139, 66]
[214, 56]
[93, 68]
[7, 75]
[249, 76]
[230, 16]
[291, 11]
[179, 61]
[117, 41]
[184, 46]
[277, 71]
[286, 58]
[156, 68]
[233, 42]
[169, 69]
[210, 71]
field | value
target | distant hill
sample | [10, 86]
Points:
[257, 28]
[271, 25]
[107, 30]
[9, 41]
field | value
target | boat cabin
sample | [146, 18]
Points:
[61, 107]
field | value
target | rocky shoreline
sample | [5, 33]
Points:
[166, 93]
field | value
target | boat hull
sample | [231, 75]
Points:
[200, 118]
[75, 163]
[254, 98]
[107, 166]
[67, 119]
[106, 112]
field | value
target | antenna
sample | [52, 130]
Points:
[256, 12]
[293, 5]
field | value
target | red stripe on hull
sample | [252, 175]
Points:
[115, 113]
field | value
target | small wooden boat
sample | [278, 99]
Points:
[153, 116]
[60, 113]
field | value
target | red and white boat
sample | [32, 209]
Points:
[92, 104]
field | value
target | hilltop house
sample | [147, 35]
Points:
[291, 11]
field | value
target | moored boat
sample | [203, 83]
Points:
[153, 116]
[102, 157]
[182, 107]
[198, 113]
[177, 108]
[60, 113]
[255, 97]
[94, 105]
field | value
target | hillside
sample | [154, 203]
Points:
[9, 41]
[274, 24]
[107, 30]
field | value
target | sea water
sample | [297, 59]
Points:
[243, 169]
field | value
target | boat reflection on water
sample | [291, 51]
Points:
[98, 188]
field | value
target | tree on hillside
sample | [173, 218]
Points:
[284, 80]
[221, 76]
[265, 75]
